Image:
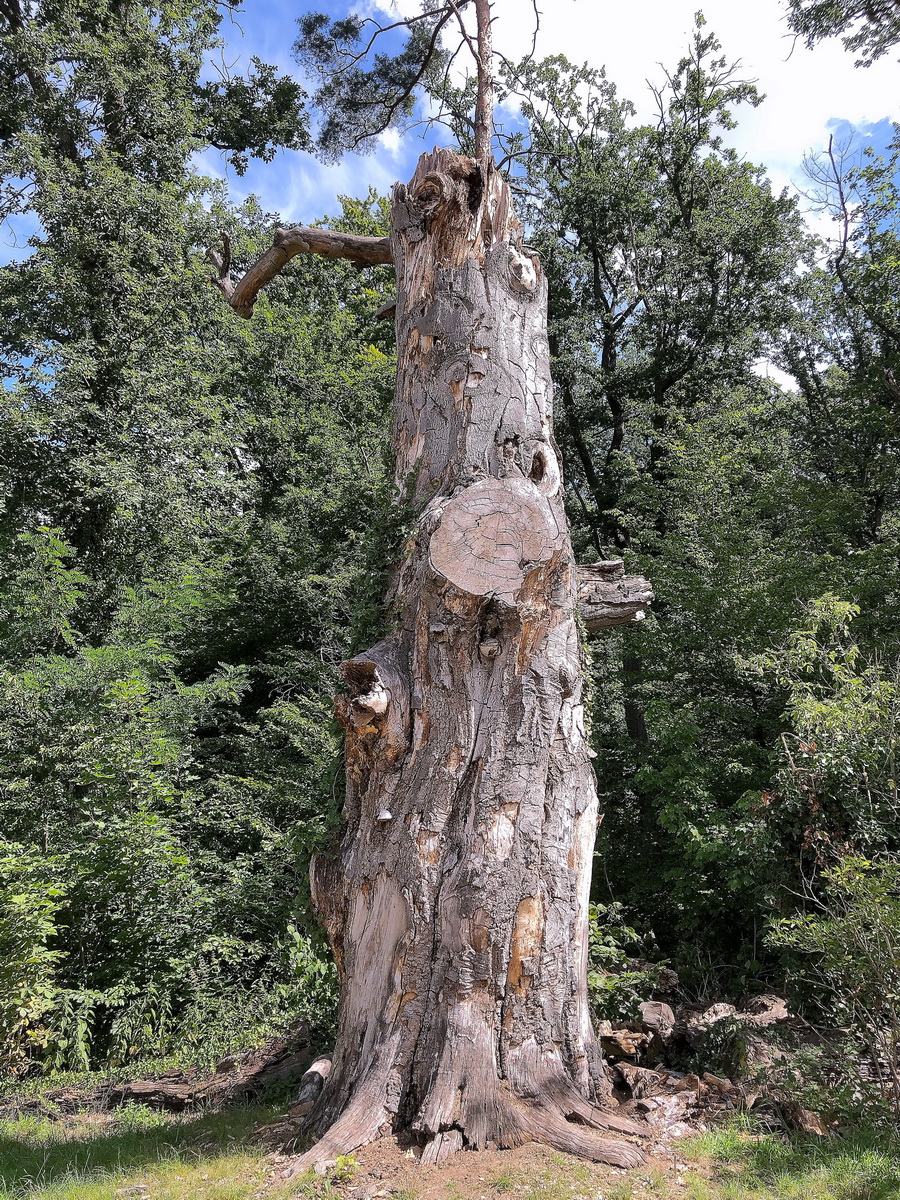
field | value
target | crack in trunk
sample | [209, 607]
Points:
[458, 907]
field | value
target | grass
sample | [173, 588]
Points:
[136, 1154]
[742, 1164]
[735, 1162]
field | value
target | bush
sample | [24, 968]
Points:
[835, 792]
[851, 944]
[618, 981]
[28, 906]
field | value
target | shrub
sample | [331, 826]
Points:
[851, 948]
[28, 906]
[617, 980]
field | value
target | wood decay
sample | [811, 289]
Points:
[457, 904]
[607, 597]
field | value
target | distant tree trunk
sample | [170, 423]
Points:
[458, 905]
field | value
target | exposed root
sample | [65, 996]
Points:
[599, 1118]
[547, 1125]
[442, 1146]
[356, 1127]
[569, 1127]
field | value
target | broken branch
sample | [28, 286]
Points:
[607, 597]
[287, 244]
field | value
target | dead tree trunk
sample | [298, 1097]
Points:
[457, 908]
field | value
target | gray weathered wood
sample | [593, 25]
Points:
[607, 597]
[457, 906]
[287, 244]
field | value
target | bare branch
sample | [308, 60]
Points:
[484, 107]
[426, 62]
[405, 23]
[287, 244]
[537, 27]
[466, 36]
[222, 263]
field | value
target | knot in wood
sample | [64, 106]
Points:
[436, 188]
[283, 235]
[544, 472]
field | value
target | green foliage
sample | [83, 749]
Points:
[253, 117]
[109, 86]
[667, 257]
[618, 980]
[362, 92]
[28, 906]
[870, 26]
[835, 793]
[851, 943]
[188, 504]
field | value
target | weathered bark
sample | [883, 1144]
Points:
[607, 597]
[457, 907]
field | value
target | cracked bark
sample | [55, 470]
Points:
[457, 906]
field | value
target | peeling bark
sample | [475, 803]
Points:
[457, 907]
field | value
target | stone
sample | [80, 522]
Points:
[698, 1024]
[766, 1010]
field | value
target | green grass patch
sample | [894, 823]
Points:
[135, 1154]
[745, 1164]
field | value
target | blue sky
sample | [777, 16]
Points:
[809, 93]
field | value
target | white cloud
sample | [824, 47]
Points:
[804, 89]
[390, 140]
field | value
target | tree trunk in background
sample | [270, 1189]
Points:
[458, 906]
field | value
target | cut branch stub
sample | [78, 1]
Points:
[607, 597]
[492, 535]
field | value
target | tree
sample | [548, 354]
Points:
[166, 754]
[457, 905]
[844, 350]
[870, 26]
[668, 258]
[671, 265]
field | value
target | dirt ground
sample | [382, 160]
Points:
[385, 1170]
